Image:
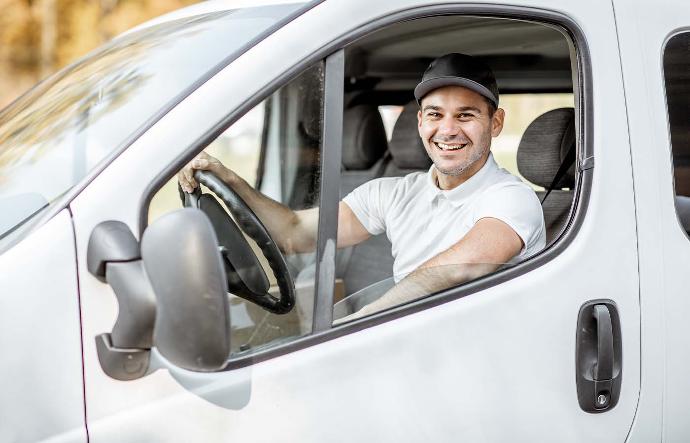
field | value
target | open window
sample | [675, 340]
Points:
[278, 148]
[532, 63]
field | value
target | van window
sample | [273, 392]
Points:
[381, 140]
[277, 149]
[677, 79]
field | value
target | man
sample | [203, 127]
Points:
[461, 219]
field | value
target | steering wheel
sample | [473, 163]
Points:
[245, 275]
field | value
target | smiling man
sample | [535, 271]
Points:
[462, 219]
[465, 216]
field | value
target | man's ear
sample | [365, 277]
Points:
[497, 122]
[419, 124]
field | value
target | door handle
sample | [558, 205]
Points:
[603, 367]
[599, 352]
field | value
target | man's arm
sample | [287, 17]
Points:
[482, 250]
[293, 231]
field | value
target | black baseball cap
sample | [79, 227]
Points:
[458, 70]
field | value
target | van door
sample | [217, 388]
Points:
[654, 52]
[491, 361]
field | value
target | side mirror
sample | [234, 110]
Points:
[171, 295]
[181, 259]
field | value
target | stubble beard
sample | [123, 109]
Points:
[475, 156]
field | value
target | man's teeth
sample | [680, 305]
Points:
[446, 147]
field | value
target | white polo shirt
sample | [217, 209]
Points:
[421, 220]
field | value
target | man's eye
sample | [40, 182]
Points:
[433, 114]
[465, 115]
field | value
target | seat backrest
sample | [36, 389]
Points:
[542, 149]
[371, 261]
[364, 146]
[406, 147]
[363, 158]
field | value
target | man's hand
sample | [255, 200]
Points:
[203, 162]
[482, 250]
[293, 231]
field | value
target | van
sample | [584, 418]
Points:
[128, 314]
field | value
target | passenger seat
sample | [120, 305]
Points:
[542, 149]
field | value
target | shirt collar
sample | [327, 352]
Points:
[462, 193]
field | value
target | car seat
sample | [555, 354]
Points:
[543, 148]
[371, 261]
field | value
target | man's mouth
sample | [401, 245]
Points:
[449, 146]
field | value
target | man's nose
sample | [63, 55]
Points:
[448, 127]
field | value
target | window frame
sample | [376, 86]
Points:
[322, 329]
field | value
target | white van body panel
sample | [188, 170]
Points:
[644, 30]
[498, 365]
[40, 339]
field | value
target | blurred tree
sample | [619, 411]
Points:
[38, 37]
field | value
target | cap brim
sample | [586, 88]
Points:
[429, 85]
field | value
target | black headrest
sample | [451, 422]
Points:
[544, 145]
[364, 137]
[406, 147]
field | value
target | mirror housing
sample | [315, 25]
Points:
[185, 269]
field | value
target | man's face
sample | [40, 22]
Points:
[456, 129]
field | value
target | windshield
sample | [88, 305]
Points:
[54, 135]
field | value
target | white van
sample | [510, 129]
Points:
[125, 317]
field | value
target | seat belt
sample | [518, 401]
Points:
[567, 162]
[565, 165]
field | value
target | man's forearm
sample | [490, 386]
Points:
[489, 243]
[422, 282]
[287, 227]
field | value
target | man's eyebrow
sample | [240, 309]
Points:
[469, 108]
[460, 109]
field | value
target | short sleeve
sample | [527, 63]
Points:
[367, 202]
[517, 205]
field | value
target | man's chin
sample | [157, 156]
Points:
[452, 171]
[459, 166]
[452, 163]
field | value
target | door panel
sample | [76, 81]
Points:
[497, 365]
[644, 29]
[42, 389]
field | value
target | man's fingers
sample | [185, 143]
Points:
[186, 179]
[202, 162]
[189, 175]
[182, 180]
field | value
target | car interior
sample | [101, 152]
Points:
[382, 69]
[533, 64]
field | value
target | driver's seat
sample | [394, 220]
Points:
[371, 261]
